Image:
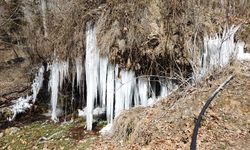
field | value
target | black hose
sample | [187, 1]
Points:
[198, 122]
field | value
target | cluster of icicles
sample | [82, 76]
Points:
[220, 49]
[111, 90]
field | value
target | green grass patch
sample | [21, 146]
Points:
[39, 135]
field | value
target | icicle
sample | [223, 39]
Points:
[103, 80]
[117, 90]
[92, 76]
[166, 87]
[153, 90]
[124, 85]
[37, 83]
[164, 91]
[72, 93]
[128, 80]
[79, 70]
[119, 98]
[58, 72]
[143, 92]
[63, 71]
[54, 85]
[136, 95]
[110, 94]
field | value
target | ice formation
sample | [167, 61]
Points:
[79, 71]
[143, 92]
[24, 103]
[82, 113]
[96, 112]
[219, 50]
[37, 83]
[92, 74]
[110, 93]
[20, 105]
[58, 73]
[164, 91]
[124, 88]
[109, 87]
[241, 55]
[103, 80]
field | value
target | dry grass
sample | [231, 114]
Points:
[169, 124]
[149, 36]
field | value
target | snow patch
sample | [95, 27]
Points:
[106, 130]
[241, 55]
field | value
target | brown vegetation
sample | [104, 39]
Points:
[169, 123]
[150, 36]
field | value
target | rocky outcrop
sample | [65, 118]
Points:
[15, 75]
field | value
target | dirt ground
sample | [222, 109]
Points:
[169, 123]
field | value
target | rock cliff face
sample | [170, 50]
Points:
[148, 36]
[15, 74]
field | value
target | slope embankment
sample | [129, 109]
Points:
[169, 124]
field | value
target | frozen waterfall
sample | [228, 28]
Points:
[111, 88]
[24, 103]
